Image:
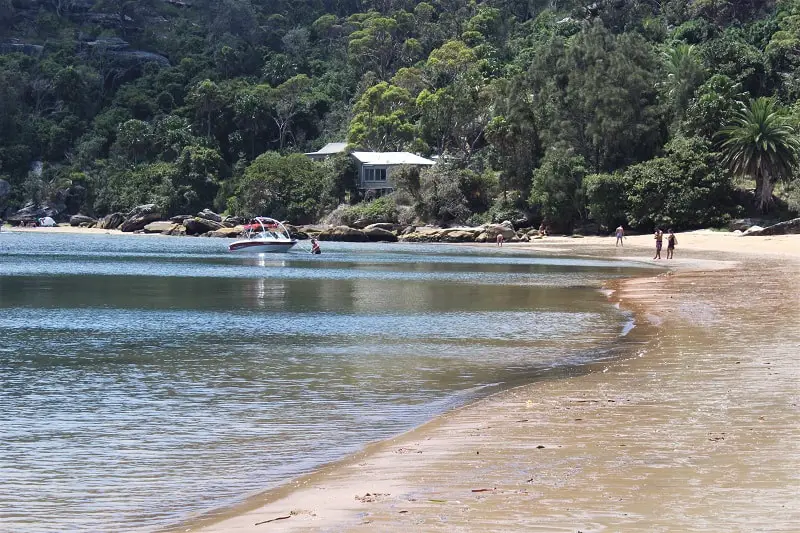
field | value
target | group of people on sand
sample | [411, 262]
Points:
[672, 240]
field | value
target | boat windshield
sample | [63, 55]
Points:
[266, 228]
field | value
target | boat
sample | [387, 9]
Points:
[264, 235]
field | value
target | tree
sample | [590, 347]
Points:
[441, 197]
[290, 187]
[287, 101]
[206, 99]
[761, 144]
[382, 120]
[606, 198]
[684, 75]
[686, 188]
[557, 188]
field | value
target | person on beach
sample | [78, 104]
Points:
[620, 232]
[315, 249]
[500, 239]
[671, 242]
[659, 237]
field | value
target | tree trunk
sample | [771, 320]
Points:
[764, 188]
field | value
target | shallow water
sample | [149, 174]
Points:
[145, 380]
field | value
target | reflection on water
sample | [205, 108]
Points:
[142, 380]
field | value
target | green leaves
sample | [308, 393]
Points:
[760, 143]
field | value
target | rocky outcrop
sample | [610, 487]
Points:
[227, 233]
[388, 226]
[375, 234]
[493, 230]
[457, 235]
[232, 222]
[161, 226]
[79, 220]
[789, 227]
[344, 234]
[208, 214]
[199, 226]
[139, 217]
[112, 221]
[178, 219]
[744, 224]
[32, 213]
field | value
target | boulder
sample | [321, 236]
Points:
[422, 235]
[161, 226]
[744, 224]
[227, 233]
[407, 230]
[199, 226]
[493, 230]
[31, 213]
[208, 214]
[232, 222]
[524, 238]
[295, 233]
[112, 221]
[178, 219]
[139, 217]
[482, 237]
[388, 226]
[378, 234]
[789, 227]
[457, 235]
[343, 233]
[80, 220]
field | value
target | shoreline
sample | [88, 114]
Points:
[425, 480]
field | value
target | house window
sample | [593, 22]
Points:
[374, 174]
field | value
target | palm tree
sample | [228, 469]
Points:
[684, 74]
[760, 143]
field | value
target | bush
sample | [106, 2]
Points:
[607, 198]
[557, 188]
[688, 187]
[383, 209]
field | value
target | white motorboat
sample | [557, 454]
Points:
[264, 235]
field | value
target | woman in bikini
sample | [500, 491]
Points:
[671, 242]
[659, 237]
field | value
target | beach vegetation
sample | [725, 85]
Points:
[639, 113]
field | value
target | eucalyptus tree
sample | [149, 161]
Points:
[760, 143]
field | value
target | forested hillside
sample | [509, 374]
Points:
[641, 111]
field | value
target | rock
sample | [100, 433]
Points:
[753, 230]
[422, 235]
[482, 237]
[743, 224]
[789, 227]
[232, 222]
[199, 226]
[388, 226]
[208, 214]
[407, 230]
[31, 213]
[343, 233]
[177, 231]
[524, 238]
[178, 219]
[295, 233]
[379, 235]
[79, 220]
[139, 217]
[457, 235]
[161, 226]
[505, 229]
[112, 221]
[227, 233]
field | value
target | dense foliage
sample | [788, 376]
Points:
[639, 112]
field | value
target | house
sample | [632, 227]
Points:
[375, 169]
[327, 151]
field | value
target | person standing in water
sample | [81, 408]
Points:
[671, 242]
[315, 249]
[620, 235]
[659, 237]
[500, 239]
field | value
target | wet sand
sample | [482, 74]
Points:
[696, 429]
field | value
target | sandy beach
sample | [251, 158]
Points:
[695, 428]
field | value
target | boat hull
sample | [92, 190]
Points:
[259, 246]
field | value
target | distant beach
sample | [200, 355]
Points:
[695, 431]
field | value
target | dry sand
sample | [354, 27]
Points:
[697, 428]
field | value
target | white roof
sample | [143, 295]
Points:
[330, 148]
[391, 158]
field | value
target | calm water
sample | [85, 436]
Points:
[145, 380]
